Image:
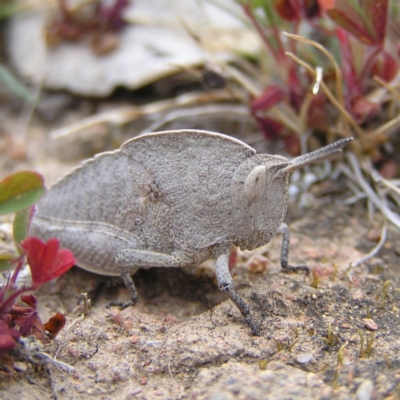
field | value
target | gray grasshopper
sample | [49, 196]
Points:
[172, 199]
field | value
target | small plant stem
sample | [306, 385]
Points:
[340, 354]
[20, 262]
[338, 72]
[303, 113]
[278, 56]
[350, 76]
[243, 80]
[384, 292]
[260, 30]
[379, 135]
[330, 95]
[361, 343]
[368, 64]
[11, 299]
[288, 118]
[389, 87]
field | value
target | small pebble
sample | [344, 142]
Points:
[135, 391]
[20, 366]
[365, 390]
[116, 316]
[257, 264]
[143, 380]
[374, 235]
[304, 358]
[370, 324]
[134, 339]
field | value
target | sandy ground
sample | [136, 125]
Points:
[185, 340]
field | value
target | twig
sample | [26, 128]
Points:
[32, 351]
[47, 358]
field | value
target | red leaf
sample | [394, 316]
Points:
[24, 317]
[29, 322]
[46, 260]
[348, 69]
[38, 330]
[8, 337]
[6, 330]
[7, 343]
[269, 127]
[29, 299]
[326, 4]
[363, 109]
[317, 113]
[272, 95]
[3, 327]
[365, 19]
[55, 324]
[385, 67]
[288, 10]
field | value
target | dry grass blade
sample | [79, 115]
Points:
[380, 134]
[395, 94]
[329, 94]
[125, 115]
[234, 110]
[371, 194]
[338, 72]
[375, 250]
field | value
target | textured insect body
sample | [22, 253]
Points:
[171, 199]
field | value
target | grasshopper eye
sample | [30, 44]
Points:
[255, 184]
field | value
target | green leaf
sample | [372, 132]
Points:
[254, 4]
[7, 11]
[16, 86]
[5, 262]
[258, 4]
[20, 190]
[21, 225]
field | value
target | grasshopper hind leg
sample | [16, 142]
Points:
[130, 285]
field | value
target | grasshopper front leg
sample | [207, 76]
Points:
[225, 284]
[285, 231]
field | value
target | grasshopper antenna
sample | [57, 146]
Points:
[317, 155]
